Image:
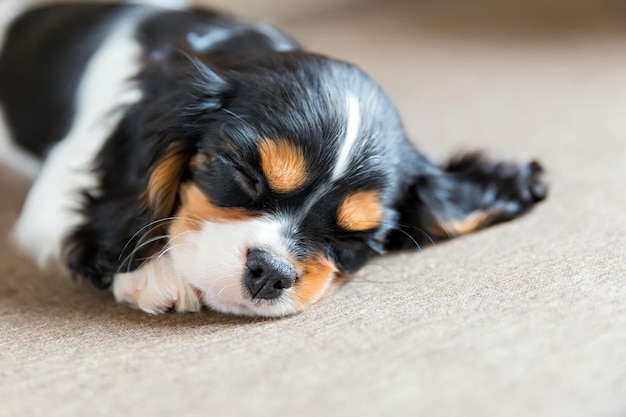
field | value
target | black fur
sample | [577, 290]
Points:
[218, 103]
[41, 66]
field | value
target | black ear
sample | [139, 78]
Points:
[125, 220]
[464, 195]
[207, 86]
[140, 169]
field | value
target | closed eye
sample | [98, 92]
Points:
[349, 243]
[350, 253]
[250, 185]
[228, 181]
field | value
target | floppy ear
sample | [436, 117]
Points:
[140, 169]
[161, 193]
[124, 221]
[464, 195]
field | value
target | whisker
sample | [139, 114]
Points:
[141, 243]
[164, 252]
[419, 247]
[235, 116]
[168, 246]
[422, 231]
[127, 260]
[151, 224]
[219, 294]
[180, 234]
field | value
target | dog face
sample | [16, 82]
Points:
[286, 185]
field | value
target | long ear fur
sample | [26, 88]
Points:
[140, 170]
[466, 194]
[124, 220]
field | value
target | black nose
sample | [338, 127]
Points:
[267, 275]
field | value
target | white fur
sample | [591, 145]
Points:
[156, 287]
[213, 260]
[210, 262]
[49, 212]
[352, 133]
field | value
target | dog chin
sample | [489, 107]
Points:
[225, 292]
[238, 305]
[215, 267]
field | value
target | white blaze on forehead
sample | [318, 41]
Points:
[352, 133]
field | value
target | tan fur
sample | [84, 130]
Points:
[195, 207]
[317, 275]
[473, 222]
[360, 211]
[283, 164]
[164, 182]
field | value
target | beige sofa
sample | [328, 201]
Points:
[524, 319]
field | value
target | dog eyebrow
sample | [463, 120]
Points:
[283, 164]
[352, 132]
[360, 211]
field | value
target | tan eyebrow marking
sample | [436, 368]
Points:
[360, 211]
[195, 207]
[283, 164]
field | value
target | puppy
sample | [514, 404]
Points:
[191, 159]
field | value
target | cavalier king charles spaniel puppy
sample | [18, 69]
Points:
[190, 159]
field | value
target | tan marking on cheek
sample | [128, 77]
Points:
[360, 211]
[283, 164]
[316, 277]
[339, 280]
[196, 208]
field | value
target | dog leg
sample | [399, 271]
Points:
[155, 288]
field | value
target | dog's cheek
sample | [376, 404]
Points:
[317, 277]
[189, 243]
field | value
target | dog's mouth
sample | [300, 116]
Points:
[243, 304]
[239, 296]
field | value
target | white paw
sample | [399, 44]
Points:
[155, 288]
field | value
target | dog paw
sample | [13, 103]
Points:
[532, 185]
[156, 288]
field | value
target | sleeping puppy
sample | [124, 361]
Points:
[191, 159]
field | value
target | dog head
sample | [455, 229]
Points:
[280, 173]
